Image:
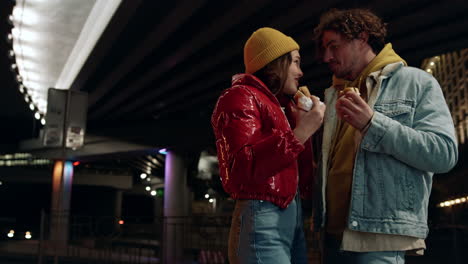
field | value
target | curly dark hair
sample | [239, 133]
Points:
[275, 73]
[351, 23]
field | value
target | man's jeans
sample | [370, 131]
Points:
[333, 254]
[261, 232]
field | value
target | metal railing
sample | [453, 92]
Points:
[199, 239]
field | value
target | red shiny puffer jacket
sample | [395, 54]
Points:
[257, 149]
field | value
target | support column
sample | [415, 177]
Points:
[62, 178]
[176, 196]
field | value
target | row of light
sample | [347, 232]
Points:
[432, 62]
[27, 234]
[154, 192]
[21, 159]
[33, 162]
[145, 175]
[210, 200]
[15, 156]
[24, 79]
[456, 201]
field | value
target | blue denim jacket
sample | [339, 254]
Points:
[410, 138]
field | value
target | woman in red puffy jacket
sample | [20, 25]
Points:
[265, 152]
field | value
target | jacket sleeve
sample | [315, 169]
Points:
[245, 149]
[428, 143]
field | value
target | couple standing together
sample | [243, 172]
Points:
[381, 145]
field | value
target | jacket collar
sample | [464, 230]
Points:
[252, 81]
[386, 72]
[391, 68]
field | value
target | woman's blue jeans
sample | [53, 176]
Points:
[261, 232]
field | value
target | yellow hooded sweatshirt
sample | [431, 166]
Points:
[343, 152]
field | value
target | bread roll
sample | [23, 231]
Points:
[302, 98]
[348, 89]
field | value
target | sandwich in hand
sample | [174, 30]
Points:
[302, 98]
[348, 89]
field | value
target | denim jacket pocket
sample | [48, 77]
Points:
[400, 110]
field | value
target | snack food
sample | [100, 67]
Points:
[302, 98]
[347, 89]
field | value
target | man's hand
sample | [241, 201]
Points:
[354, 110]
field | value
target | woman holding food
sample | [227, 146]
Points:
[265, 152]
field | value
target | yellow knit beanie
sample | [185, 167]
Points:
[264, 46]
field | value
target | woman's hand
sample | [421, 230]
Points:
[308, 122]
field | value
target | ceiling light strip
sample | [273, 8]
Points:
[456, 201]
[98, 19]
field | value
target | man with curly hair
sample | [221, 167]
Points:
[382, 142]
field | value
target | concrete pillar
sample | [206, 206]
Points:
[176, 194]
[62, 178]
